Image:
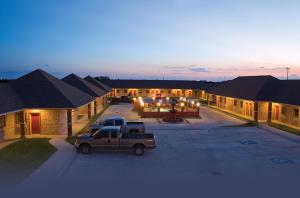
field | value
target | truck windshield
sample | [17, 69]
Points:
[119, 122]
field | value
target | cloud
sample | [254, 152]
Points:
[190, 68]
[195, 68]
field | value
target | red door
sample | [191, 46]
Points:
[35, 123]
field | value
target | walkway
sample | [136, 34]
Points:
[53, 167]
[6, 143]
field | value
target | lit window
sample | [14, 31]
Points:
[2, 121]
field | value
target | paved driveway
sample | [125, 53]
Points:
[196, 155]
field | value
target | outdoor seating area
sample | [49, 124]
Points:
[167, 107]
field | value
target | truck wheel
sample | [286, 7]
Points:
[85, 148]
[139, 150]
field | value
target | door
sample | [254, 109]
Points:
[101, 139]
[276, 113]
[35, 123]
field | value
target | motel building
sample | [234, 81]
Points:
[260, 99]
[159, 88]
[40, 104]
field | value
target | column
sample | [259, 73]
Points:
[256, 111]
[89, 111]
[269, 112]
[69, 122]
[22, 125]
[95, 107]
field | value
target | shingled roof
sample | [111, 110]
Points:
[288, 92]
[258, 88]
[39, 89]
[162, 84]
[9, 100]
[97, 83]
[84, 85]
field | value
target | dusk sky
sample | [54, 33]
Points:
[153, 39]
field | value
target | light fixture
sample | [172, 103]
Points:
[153, 98]
[193, 102]
[198, 104]
[168, 98]
[182, 104]
[158, 104]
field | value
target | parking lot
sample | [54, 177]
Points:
[198, 152]
[191, 151]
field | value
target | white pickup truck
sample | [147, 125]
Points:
[126, 127]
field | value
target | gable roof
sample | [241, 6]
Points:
[84, 85]
[9, 100]
[163, 84]
[97, 83]
[39, 89]
[259, 88]
[288, 92]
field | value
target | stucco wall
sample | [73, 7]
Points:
[288, 118]
[152, 92]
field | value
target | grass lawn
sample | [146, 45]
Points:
[19, 159]
[72, 139]
[285, 128]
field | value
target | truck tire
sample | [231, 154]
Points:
[85, 149]
[139, 150]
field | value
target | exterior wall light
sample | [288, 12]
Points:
[182, 104]
[198, 104]
[158, 104]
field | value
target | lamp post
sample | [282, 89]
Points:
[198, 107]
[158, 106]
[182, 106]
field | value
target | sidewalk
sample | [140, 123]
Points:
[283, 134]
[7, 142]
[50, 171]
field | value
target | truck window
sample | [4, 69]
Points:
[108, 123]
[102, 134]
[119, 122]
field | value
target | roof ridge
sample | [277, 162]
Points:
[46, 75]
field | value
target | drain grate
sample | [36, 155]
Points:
[281, 160]
[247, 142]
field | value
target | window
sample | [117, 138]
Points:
[169, 91]
[296, 113]
[225, 101]
[119, 122]
[161, 91]
[2, 121]
[283, 110]
[140, 91]
[108, 123]
[148, 91]
[241, 104]
[220, 99]
[102, 134]
[125, 91]
[118, 91]
[235, 103]
[18, 118]
[196, 92]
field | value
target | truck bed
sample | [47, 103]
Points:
[138, 136]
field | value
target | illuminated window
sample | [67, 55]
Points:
[2, 121]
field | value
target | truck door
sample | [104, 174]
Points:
[114, 139]
[101, 139]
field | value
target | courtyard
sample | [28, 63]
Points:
[198, 152]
